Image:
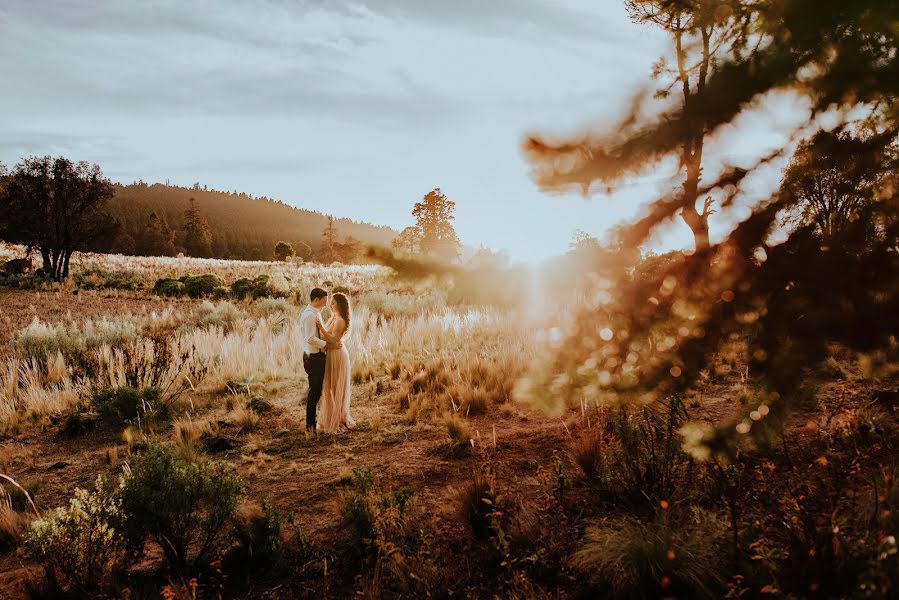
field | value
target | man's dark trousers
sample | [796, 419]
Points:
[315, 369]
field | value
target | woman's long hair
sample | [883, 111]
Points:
[343, 307]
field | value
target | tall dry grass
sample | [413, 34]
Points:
[475, 353]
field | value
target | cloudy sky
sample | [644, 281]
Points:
[355, 108]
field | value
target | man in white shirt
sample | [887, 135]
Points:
[313, 352]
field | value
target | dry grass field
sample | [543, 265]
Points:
[504, 495]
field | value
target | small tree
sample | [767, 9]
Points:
[57, 207]
[197, 235]
[329, 242]
[408, 240]
[434, 218]
[303, 250]
[283, 250]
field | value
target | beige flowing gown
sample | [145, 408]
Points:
[334, 406]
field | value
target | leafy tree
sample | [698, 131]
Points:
[833, 180]
[283, 250]
[197, 235]
[57, 207]
[434, 219]
[408, 241]
[303, 250]
[329, 242]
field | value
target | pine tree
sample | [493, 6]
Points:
[329, 242]
[158, 239]
[197, 235]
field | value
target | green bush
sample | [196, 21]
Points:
[97, 278]
[83, 546]
[268, 307]
[181, 506]
[125, 404]
[364, 504]
[168, 287]
[340, 289]
[242, 288]
[223, 314]
[197, 286]
[220, 292]
[632, 558]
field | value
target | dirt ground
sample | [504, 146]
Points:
[303, 477]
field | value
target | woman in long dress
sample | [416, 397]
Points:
[335, 401]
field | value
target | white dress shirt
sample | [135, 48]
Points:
[312, 344]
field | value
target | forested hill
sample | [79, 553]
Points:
[242, 227]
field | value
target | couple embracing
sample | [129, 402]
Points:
[327, 362]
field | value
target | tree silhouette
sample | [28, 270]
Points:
[832, 181]
[157, 238]
[197, 235]
[57, 207]
[434, 217]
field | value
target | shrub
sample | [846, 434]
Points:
[13, 525]
[197, 286]
[458, 429]
[340, 289]
[642, 455]
[84, 543]
[588, 454]
[242, 288]
[220, 292]
[126, 404]
[222, 314]
[168, 287]
[245, 418]
[267, 307]
[364, 504]
[97, 278]
[479, 504]
[183, 507]
[677, 557]
[261, 287]
[257, 533]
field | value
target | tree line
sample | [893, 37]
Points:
[55, 207]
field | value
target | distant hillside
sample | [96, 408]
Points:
[243, 227]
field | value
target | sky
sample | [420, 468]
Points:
[353, 108]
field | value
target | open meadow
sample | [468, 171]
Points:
[453, 482]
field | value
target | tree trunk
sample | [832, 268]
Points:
[48, 266]
[699, 225]
[65, 267]
[56, 265]
[696, 221]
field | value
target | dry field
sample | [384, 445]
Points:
[434, 395]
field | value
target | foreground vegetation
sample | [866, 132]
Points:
[194, 476]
